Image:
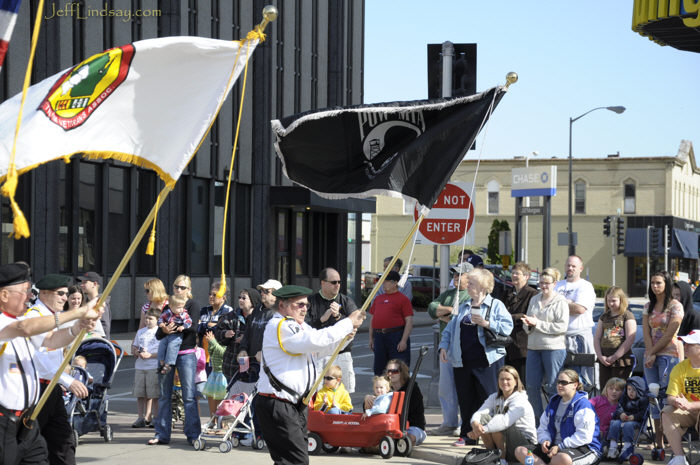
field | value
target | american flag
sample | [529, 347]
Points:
[8, 17]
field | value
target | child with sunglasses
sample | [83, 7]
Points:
[333, 397]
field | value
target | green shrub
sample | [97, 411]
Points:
[600, 289]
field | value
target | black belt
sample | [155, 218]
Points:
[13, 415]
[272, 396]
[389, 330]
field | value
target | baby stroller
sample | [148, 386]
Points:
[236, 409]
[647, 425]
[90, 414]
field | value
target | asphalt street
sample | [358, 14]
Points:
[129, 444]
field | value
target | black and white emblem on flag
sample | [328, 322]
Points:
[399, 148]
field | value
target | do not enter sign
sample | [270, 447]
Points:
[450, 219]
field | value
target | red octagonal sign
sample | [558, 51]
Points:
[450, 219]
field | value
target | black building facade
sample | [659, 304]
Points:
[83, 215]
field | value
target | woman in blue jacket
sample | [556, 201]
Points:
[568, 431]
[463, 344]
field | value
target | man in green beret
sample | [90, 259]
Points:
[290, 347]
[53, 419]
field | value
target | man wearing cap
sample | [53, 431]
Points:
[442, 309]
[251, 343]
[91, 283]
[682, 408]
[53, 419]
[406, 289]
[392, 322]
[326, 307]
[20, 338]
[288, 372]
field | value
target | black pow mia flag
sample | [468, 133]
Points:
[405, 148]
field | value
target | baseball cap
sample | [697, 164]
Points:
[91, 276]
[475, 260]
[462, 268]
[270, 284]
[692, 337]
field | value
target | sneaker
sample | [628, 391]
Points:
[248, 442]
[140, 423]
[678, 460]
[443, 430]
[612, 452]
[461, 442]
[627, 450]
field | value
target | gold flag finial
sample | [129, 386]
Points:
[511, 78]
[269, 15]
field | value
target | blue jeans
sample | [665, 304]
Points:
[447, 392]
[385, 350]
[185, 364]
[628, 429]
[659, 373]
[542, 365]
[169, 347]
[337, 411]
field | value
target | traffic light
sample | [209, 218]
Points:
[620, 235]
[654, 241]
[606, 226]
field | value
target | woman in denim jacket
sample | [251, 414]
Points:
[463, 344]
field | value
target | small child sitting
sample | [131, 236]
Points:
[170, 344]
[333, 397]
[606, 404]
[383, 396]
[627, 418]
[80, 362]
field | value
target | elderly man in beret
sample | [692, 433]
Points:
[20, 339]
[53, 419]
[289, 347]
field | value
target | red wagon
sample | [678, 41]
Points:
[388, 430]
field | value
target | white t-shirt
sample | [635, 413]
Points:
[146, 338]
[582, 293]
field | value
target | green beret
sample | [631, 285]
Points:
[14, 273]
[288, 292]
[53, 281]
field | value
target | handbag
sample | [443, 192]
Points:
[482, 457]
[494, 339]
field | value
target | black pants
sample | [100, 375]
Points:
[283, 427]
[30, 451]
[56, 429]
[474, 385]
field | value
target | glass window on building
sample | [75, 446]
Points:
[118, 232]
[300, 244]
[580, 197]
[198, 209]
[492, 205]
[282, 246]
[241, 227]
[146, 192]
[87, 225]
[630, 197]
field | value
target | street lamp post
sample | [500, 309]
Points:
[616, 109]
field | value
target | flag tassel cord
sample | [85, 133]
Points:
[8, 189]
[112, 282]
[367, 303]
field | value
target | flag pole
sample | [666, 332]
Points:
[366, 304]
[112, 282]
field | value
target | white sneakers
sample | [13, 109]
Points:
[678, 460]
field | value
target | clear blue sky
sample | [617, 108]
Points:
[570, 57]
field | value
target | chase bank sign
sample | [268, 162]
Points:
[533, 181]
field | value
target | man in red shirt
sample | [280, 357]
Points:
[392, 322]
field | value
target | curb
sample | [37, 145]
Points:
[447, 458]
